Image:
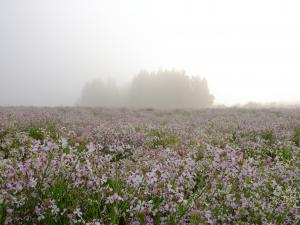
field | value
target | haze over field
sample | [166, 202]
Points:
[247, 50]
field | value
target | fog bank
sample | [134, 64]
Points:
[247, 50]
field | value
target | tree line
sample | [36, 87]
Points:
[164, 89]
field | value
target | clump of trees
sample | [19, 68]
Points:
[169, 89]
[164, 89]
[102, 93]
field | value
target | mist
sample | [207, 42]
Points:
[51, 51]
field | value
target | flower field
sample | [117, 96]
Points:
[121, 166]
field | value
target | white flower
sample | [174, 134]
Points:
[90, 147]
[64, 142]
[32, 182]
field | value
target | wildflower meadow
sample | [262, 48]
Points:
[124, 166]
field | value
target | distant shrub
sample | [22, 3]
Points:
[296, 136]
[36, 134]
[268, 135]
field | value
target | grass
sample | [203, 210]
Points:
[162, 138]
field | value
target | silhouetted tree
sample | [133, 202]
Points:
[100, 93]
[169, 89]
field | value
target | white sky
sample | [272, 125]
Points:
[247, 50]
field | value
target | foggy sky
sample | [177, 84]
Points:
[247, 50]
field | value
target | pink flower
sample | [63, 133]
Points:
[37, 210]
[9, 210]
